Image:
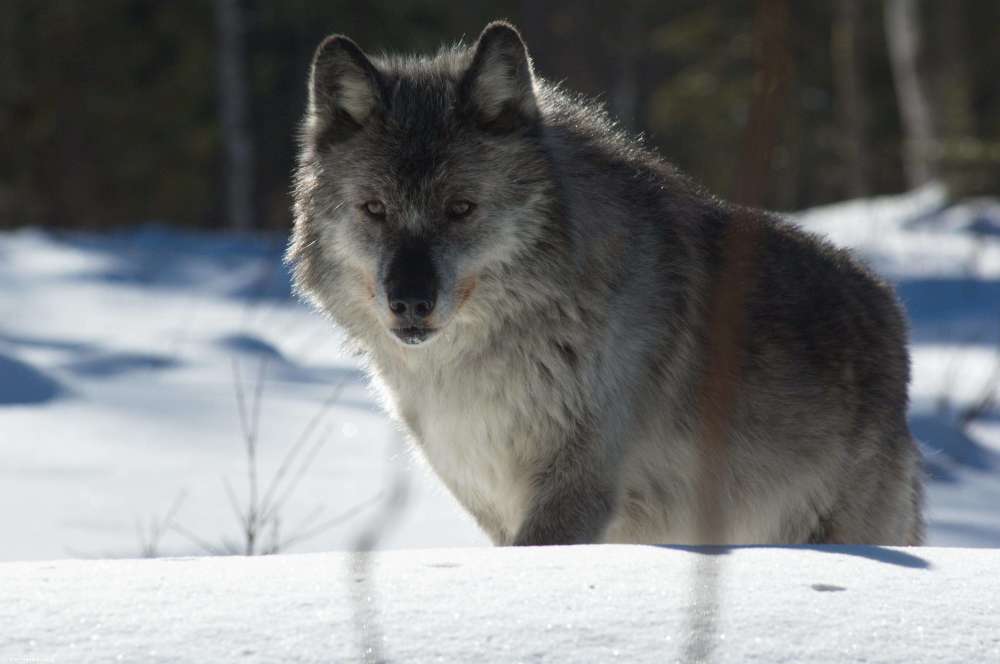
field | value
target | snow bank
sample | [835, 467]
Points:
[560, 604]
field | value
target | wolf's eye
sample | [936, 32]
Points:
[375, 208]
[459, 209]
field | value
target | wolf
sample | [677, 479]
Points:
[532, 291]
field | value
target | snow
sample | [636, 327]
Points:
[23, 384]
[559, 604]
[120, 353]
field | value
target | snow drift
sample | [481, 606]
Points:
[558, 604]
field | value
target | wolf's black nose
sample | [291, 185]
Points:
[411, 283]
[412, 306]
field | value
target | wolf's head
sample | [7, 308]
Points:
[420, 184]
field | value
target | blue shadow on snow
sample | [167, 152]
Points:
[23, 384]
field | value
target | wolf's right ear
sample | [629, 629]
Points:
[499, 86]
[344, 87]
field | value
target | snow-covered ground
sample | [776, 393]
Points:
[119, 359]
[837, 605]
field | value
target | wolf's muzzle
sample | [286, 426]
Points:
[411, 285]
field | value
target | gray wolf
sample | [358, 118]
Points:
[531, 290]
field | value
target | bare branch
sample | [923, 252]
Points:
[149, 534]
[241, 406]
[235, 503]
[196, 540]
[307, 461]
[266, 504]
[304, 535]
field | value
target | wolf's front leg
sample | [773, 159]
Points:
[572, 504]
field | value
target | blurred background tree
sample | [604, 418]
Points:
[123, 111]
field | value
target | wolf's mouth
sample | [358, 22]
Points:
[413, 335]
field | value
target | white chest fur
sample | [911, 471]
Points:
[466, 426]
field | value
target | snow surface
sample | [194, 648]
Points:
[558, 604]
[117, 357]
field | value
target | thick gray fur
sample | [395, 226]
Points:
[560, 399]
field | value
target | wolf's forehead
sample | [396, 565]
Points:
[420, 119]
[421, 102]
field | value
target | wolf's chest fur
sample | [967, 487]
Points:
[470, 425]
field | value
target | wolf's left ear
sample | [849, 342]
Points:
[344, 86]
[499, 86]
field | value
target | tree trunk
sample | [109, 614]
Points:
[950, 91]
[233, 115]
[904, 38]
[847, 45]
